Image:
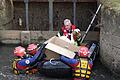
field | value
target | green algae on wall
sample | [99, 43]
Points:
[110, 35]
[6, 14]
[112, 5]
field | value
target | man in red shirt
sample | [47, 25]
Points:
[68, 30]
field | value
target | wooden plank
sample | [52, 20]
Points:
[59, 50]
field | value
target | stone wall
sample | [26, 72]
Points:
[39, 18]
[110, 35]
[6, 14]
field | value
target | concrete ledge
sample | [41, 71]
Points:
[10, 41]
[15, 36]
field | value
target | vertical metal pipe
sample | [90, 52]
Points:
[51, 15]
[74, 12]
[26, 14]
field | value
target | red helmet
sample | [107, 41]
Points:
[19, 51]
[83, 52]
[32, 49]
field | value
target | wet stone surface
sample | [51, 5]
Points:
[6, 57]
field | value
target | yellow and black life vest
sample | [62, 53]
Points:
[17, 71]
[14, 66]
[83, 69]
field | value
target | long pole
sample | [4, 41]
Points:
[90, 24]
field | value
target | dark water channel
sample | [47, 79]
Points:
[6, 56]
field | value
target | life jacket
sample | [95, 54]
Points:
[83, 69]
[18, 69]
[28, 65]
[14, 66]
[67, 32]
